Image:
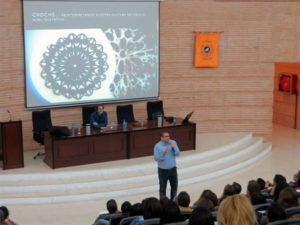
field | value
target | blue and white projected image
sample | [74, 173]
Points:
[102, 62]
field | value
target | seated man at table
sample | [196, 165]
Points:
[99, 118]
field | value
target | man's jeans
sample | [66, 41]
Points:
[164, 175]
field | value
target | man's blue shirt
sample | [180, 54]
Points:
[166, 161]
[101, 120]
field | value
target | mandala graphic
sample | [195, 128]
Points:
[136, 62]
[74, 67]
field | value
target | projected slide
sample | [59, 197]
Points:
[90, 52]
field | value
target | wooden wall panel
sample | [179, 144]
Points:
[236, 96]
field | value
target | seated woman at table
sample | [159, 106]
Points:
[99, 118]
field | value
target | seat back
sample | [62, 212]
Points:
[286, 222]
[261, 210]
[125, 112]
[86, 114]
[115, 219]
[153, 221]
[154, 107]
[41, 121]
[127, 220]
[186, 222]
[292, 211]
[184, 215]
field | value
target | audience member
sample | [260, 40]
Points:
[257, 198]
[111, 206]
[276, 212]
[170, 213]
[201, 216]
[278, 188]
[151, 208]
[136, 210]
[253, 186]
[228, 191]
[126, 207]
[4, 217]
[209, 195]
[288, 198]
[237, 187]
[163, 201]
[183, 201]
[261, 183]
[236, 209]
[206, 203]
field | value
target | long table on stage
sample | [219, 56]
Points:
[114, 143]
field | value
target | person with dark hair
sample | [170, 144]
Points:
[288, 198]
[125, 207]
[163, 201]
[151, 208]
[228, 191]
[170, 213]
[165, 152]
[5, 217]
[183, 200]
[257, 198]
[99, 118]
[261, 183]
[237, 187]
[253, 186]
[206, 203]
[277, 189]
[276, 212]
[208, 194]
[136, 210]
[201, 216]
[112, 206]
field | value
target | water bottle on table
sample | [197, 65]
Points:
[124, 125]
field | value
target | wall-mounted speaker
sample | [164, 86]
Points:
[288, 83]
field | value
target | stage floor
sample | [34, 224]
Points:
[283, 159]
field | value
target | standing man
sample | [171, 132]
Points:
[165, 152]
[99, 118]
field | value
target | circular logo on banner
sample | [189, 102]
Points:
[207, 49]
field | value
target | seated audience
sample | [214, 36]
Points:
[112, 207]
[6, 219]
[170, 213]
[136, 210]
[183, 200]
[236, 210]
[151, 208]
[276, 212]
[206, 203]
[201, 216]
[237, 187]
[253, 186]
[125, 207]
[228, 191]
[257, 198]
[208, 194]
[288, 198]
[163, 201]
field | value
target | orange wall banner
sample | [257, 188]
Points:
[207, 49]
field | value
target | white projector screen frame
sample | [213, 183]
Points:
[81, 52]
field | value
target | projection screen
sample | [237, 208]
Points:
[84, 52]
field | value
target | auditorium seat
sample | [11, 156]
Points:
[286, 222]
[86, 114]
[153, 221]
[154, 107]
[41, 121]
[125, 112]
[127, 220]
[292, 211]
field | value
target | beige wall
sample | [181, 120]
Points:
[236, 96]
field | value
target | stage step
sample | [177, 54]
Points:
[213, 158]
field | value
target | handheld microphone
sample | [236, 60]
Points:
[9, 115]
